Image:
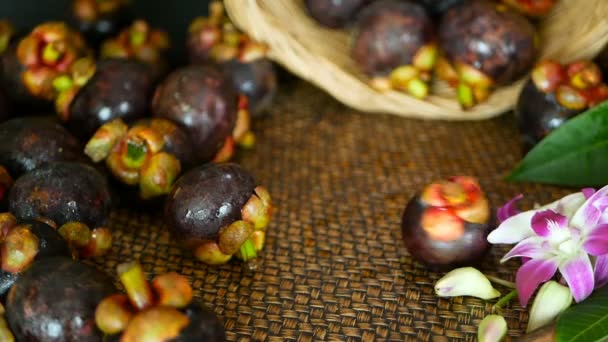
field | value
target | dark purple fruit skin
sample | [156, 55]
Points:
[4, 106]
[55, 300]
[438, 7]
[440, 255]
[257, 80]
[105, 27]
[500, 44]
[202, 99]
[120, 89]
[538, 114]
[50, 244]
[204, 325]
[63, 192]
[178, 144]
[334, 13]
[206, 199]
[27, 143]
[388, 34]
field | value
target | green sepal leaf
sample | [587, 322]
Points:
[586, 321]
[576, 154]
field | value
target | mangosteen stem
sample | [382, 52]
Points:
[248, 251]
[504, 301]
[135, 156]
[50, 54]
[502, 282]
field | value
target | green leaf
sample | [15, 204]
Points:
[576, 154]
[585, 322]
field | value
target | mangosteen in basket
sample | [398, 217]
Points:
[27, 143]
[100, 20]
[394, 44]
[335, 13]
[74, 196]
[534, 8]
[96, 94]
[30, 66]
[217, 211]
[554, 94]
[150, 154]
[161, 310]
[142, 43]
[447, 223]
[485, 45]
[55, 300]
[203, 100]
[24, 243]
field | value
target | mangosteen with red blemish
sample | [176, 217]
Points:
[117, 89]
[55, 300]
[202, 99]
[24, 243]
[335, 13]
[63, 192]
[484, 46]
[447, 223]
[27, 143]
[533, 8]
[100, 20]
[217, 211]
[555, 94]
[394, 44]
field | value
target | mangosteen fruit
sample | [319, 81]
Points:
[24, 243]
[554, 94]
[257, 80]
[485, 45]
[217, 211]
[100, 20]
[55, 300]
[63, 192]
[394, 44]
[27, 143]
[446, 225]
[438, 7]
[203, 100]
[118, 89]
[335, 13]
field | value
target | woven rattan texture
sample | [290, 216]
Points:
[334, 267]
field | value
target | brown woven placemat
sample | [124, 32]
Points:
[334, 267]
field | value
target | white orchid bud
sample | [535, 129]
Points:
[551, 300]
[465, 281]
[492, 329]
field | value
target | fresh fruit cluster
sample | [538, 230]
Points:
[474, 45]
[159, 130]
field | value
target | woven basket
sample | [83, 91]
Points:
[573, 30]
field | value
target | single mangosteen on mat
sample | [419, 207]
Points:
[446, 225]
[161, 310]
[554, 94]
[485, 45]
[100, 20]
[94, 94]
[55, 300]
[218, 211]
[335, 13]
[394, 44]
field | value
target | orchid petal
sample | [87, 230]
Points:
[543, 222]
[532, 274]
[569, 204]
[529, 248]
[588, 215]
[579, 276]
[588, 192]
[492, 329]
[597, 241]
[465, 281]
[508, 209]
[551, 300]
[600, 272]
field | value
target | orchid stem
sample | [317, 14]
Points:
[504, 300]
[499, 281]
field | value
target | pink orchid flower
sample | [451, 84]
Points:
[569, 235]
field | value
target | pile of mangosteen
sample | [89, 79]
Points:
[94, 116]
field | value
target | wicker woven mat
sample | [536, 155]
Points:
[334, 267]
